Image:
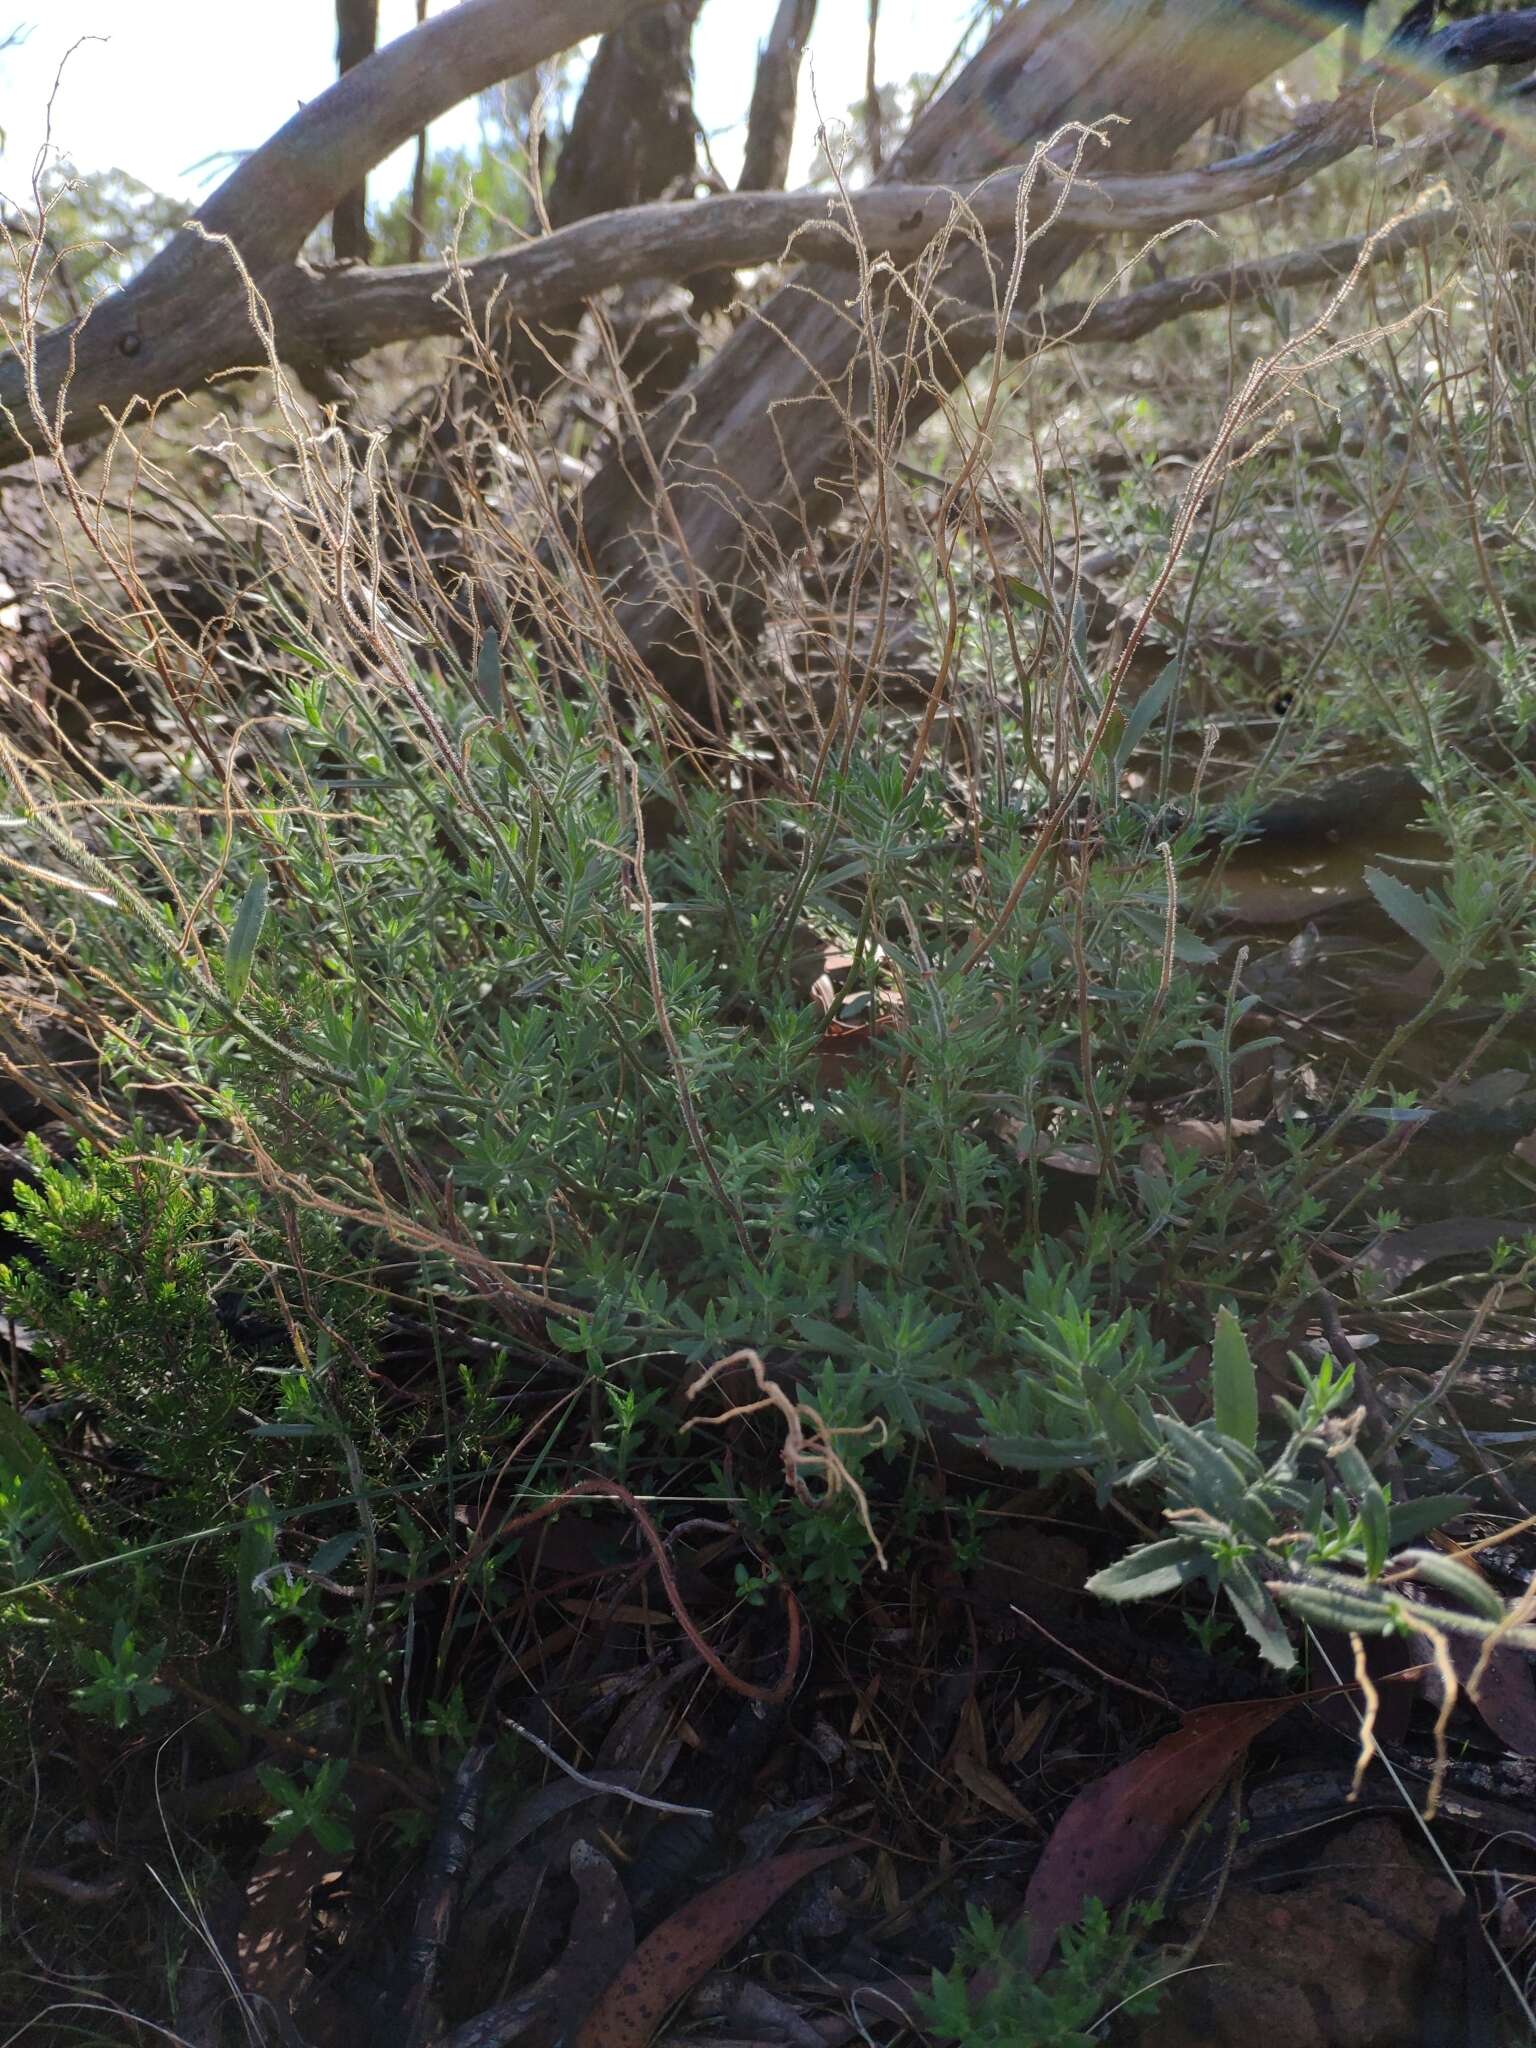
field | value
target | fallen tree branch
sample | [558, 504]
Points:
[282, 190]
[1131, 315]
[186, 317]
[350, 312]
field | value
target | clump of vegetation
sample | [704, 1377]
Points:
[551, 1200]
[1065, 2009]
[116, 1281]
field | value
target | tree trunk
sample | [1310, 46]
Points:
[754, 453]
[632, 137]
[416, 226]
[775, 95]
[874, 138]
[357, 37]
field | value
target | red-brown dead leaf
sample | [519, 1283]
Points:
[842, 1047]
[1506, 1692]
[672, 1959]
[1112, 1830]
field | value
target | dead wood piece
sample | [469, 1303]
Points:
[1131, 315]
[442, 1883]
[78, 1891]
[502, 2024]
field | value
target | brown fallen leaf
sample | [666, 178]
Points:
[1210, 1140]
[988, 1787]
[1399, 1254]
[752, 2013]
[672, 1959]
[1266, 900]
[1506, 1692]
[1028, 1728]
[1084, 1159]
[601, 1940]
[275, 1929]
[813, 961]
[1113, 1829]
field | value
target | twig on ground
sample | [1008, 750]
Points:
[605, 1784]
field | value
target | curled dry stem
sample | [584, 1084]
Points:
[804, 1451]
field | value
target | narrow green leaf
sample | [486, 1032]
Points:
[1114, 1414]
[24, 1456]
[1042, 1453]
[1142, 713]
[1026, 593]
[1215, 1479]
[1454, 1578]
[1152, 1569]
[1375, 1530]
[488, 674]
[1258, 1614]
[1353, 1468]
[331, 1556]
[257, 1550]
[1193, 952]
[1419, 916]
[1330, 1607]
[1234, 1383]
[1411, 1518]
[243, 938]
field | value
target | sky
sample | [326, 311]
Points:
[175, 83]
